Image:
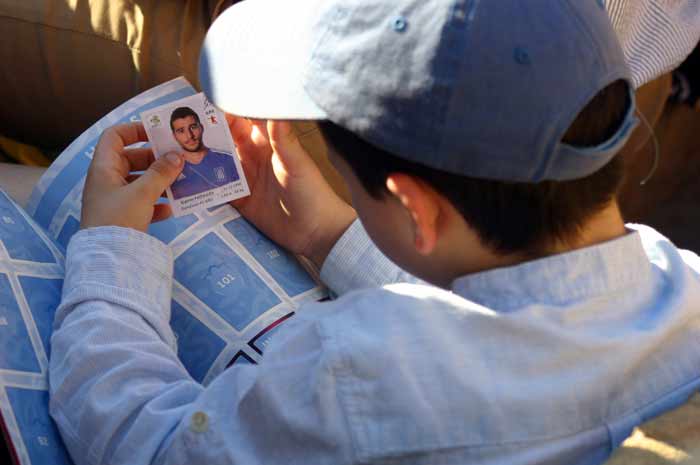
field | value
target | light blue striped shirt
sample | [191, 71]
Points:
[553, 361]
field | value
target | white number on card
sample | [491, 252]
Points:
[225, 281]
[274, 253]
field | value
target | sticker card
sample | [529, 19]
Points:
[197, 130]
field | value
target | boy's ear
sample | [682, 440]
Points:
[423, 205]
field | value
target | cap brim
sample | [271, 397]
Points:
[254, 59]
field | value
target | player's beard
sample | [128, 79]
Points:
[197, 149]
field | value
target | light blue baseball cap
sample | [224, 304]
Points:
[479, 88]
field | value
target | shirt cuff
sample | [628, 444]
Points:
[121, 266]
[355, 262]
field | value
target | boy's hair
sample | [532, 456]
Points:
[182, 112]
[509, 217]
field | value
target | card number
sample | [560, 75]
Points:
[225, 281]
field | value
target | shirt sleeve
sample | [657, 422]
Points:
[656, 35]
[120, 395]
[356, 263]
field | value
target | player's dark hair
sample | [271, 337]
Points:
[509, 217]
[182, 112]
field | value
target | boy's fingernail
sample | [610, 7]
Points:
[173, 158]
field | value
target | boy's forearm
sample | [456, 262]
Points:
[120, 395]
[112, 349]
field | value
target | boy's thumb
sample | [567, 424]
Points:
[159, 176]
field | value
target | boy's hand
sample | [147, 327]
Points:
[290, 200]
[115, 197]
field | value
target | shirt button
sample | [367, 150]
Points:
[199, 423]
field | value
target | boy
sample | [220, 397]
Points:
[478, 141]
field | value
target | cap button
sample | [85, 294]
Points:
[521, 56]
[400, 24]
[199, 423]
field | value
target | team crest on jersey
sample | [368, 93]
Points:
[220, 173]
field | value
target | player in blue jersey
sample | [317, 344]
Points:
[205, 168]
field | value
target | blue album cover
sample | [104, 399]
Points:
[31, 277]
[20, 240]
[281, 265]
[16, 350]
[40, 436]
[224, 282]
[42, 295]
[197, 345]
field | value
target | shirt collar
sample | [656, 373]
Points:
[560, 279]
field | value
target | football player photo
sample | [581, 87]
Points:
[196, 130]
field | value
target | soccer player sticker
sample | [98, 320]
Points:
[197, 130]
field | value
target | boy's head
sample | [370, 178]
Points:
[509, 217]
[510, 110]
